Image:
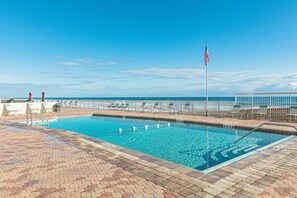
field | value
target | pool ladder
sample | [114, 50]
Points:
[266, 123]
[41, 118]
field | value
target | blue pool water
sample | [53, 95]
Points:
[196, 146]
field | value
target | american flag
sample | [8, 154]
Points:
[206, 59]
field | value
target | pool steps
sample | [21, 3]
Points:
[223, 154]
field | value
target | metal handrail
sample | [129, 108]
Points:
[266, 123]
[43, 119]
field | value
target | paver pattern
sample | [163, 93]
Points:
[285, 186]
[34, 164]
[51, 163]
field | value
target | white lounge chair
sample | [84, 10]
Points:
[156, 108]
[262, 113]
[293, 112]
[47, 106]
[187, 108]
[171, 108]
[142, 107]
[235, 111]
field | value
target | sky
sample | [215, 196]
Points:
[115, 48]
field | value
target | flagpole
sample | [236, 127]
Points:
[206, 79]
[206, 94]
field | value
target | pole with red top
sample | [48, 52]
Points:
[30, 96]
[42, 98]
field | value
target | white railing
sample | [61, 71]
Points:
[279, 104]
[188, 107]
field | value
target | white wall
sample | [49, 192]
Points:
[1, 108]
[19, 108]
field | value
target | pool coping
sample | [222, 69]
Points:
[263, 129]
[183, 180]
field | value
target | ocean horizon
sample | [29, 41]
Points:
[140, 98]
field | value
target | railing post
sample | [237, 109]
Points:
[252, 106]
[270, 107]
[219, 108]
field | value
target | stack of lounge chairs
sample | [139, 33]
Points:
[293, 112]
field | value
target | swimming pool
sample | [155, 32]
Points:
[195, 146]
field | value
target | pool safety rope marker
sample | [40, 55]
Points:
[146, 127]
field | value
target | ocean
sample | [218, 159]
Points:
[143, 98]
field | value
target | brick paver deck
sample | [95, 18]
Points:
[52, 163]
[34, 164]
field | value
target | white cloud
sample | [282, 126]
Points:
[229, 82]
[167, 73]
[112, 63]
[85, 62]
[69, 63]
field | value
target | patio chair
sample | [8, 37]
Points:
[110, 106]
[47, 106]
[235, 111]
[262, 113]
[142, 107]
[117, 106]
[75, 104]
[171, 108]
[187, 108]
[293, 112]
[124, 106]
[127, 106]
[156, 107]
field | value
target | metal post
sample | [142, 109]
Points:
[219, 108]
[252, 106]
[206, 92]
[270, 107]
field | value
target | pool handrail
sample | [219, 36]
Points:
[265, 123]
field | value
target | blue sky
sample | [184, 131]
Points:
[146, 48]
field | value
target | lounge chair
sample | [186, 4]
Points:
[236, 111]
[47, 107]
[142, 107]
[262, 113]
[171, 108]
[123, 106]
[156, 107]
[127, 106]
[117, 106]
[293, 112]
[111, 106]
[70, 103]
[187, 108]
